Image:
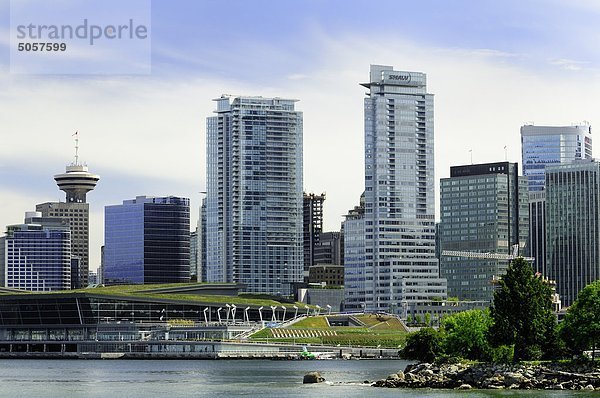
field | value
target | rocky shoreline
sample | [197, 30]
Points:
[495, 376]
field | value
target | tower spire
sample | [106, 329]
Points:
[76, 148]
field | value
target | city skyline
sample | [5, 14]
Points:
[491, 68]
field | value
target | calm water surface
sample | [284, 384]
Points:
[214, 378]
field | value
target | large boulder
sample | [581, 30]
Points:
[400, 375]
[313, 377]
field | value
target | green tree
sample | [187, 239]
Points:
[427, 319]
[522, 314]
[424, 345]
[466, 335]
[581, 327]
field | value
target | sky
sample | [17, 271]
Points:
[492, 66]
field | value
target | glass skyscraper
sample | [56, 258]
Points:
[573, 226]
[254, 231]
[483, 210]
[543, 146]
[147, 240]
[551, 145]
[37, 254]
[400, 266]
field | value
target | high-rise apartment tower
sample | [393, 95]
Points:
[254, 194]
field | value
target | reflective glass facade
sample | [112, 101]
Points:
[37, 257]
[355, 277]
[78, 215]
[544, 146]
[484, 209]
[80, 309]
[551, 145]
[573, 227]
[147, 240]
[400, 263]
[254, 194]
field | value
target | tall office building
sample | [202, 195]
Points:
[551, 145]
[573, 226]
[313, 227]
[542, 146]
[483, 210]
[37, 254]
[329, 250]
[147, 240]
[400, 264]
[76, 182]
[254, 194]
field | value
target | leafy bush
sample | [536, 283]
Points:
[502, 354]
[424, 345]
[466, 335]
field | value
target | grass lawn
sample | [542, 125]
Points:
[312, 322]
[140, 291]
[384, 332]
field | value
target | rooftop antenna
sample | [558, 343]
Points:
[76, 148]
[471, 152]
[505, 154]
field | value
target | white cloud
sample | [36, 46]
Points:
[568, 64]
[155, 128]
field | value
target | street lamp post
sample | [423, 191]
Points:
[233, 308]
[260, 314]
[318, 310]
[228, 310]
[246, 314]
[284, 309]
[329, 309]
[205, 318]
[219, 313]
[296, 313]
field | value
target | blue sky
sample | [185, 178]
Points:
[529, 29]
[492, 66]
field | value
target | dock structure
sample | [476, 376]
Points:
[178, 350]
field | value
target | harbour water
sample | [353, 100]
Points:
[215, 378]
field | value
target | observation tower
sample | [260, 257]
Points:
[77, 181]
